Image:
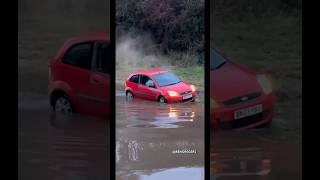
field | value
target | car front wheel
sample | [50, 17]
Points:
[162, 99]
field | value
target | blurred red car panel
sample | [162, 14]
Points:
[79, 75]
[239, 97]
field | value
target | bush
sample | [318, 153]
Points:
[174, 26]
[254, 8]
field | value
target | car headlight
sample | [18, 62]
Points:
[213, 103]
[193, 88]
[265, 83]
[172, 93]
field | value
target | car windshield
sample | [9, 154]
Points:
[216, 60]
[166, 79]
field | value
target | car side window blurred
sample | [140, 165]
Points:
[134, 79]
[79, 55]
[103, 51]
[144, 79]
[216, 59]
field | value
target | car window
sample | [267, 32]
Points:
[103, 52]
[150, 83]
[216, 59]
[134, 79]
[144, 79]
[166, 79]
[79, 55]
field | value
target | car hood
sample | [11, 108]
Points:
[179, 87]
[231, 81]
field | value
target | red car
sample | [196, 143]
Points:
[239, 97]
[79, 75]
[159, 85]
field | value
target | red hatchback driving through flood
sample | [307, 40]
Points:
[239, 97]
[159, 85]
[79, 75]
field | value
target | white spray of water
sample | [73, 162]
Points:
[138, 53]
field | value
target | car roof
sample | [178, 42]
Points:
[93, 36]
[151, 72]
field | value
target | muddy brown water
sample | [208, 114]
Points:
[267, 153]
[148, 136]
[60, 147]
[159, 141]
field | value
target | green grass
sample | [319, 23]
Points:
[270, 44]
[193, 74]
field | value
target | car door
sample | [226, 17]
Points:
[99, 90]
[145, 91]
[75, 72]
[133, 84]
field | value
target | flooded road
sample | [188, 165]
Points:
[159, 141]
[60, 147]
[153, 142]
[265, 154]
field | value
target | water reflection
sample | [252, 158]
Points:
[78, 147]
[245, 155]
[185, 173]
[147, 135]
[148, 114]
[60, 147]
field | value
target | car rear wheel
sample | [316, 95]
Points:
[129, 95]
[63, 105]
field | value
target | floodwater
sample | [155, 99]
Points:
[262, 154]
[149, 137]
[60, 147]
[159, 141]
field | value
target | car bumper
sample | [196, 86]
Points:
[179, 99]
[223, 117]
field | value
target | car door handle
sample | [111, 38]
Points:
[96, 81]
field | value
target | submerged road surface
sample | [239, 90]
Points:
[159, 141]
[60, 147]
[153, 141]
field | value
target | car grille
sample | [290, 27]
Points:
[242, 99]
[186, 92]
[185, 100]
[242, 122]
